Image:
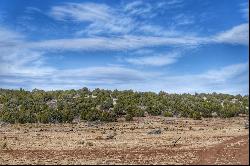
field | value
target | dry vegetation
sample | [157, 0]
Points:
[146, 140]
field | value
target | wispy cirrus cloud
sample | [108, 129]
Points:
[9, 38]
[106, 28]
[104, 20]
[154, 30]
[237, 35]
[115, 43]
[17, 59]
[31, 9]
[26, 67]
[104, 75]
[21, 61]
[154, 59]
[140, 8]
[101, 18]
[228, 79]
[182, 19]
[232, 79]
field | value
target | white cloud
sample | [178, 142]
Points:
[140, 8]
[24, 62]
[228, 79]
[154, 30]
[81, 12]
[15, 59]
[226, 73]
[182, 19]
[174, 2]
[9, 38]
[232, 79]
[154, 60]
[101, 18]
[116, 43]
[238, 35]
[92, 76]
[120, 24]
[31, 9]
[132, 5]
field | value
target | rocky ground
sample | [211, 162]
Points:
[148, 140]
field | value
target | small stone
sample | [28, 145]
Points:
[157, 131]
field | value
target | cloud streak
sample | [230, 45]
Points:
[101, 18]
[155, 60]
[23, 62]
[219, 80]
[236, 36]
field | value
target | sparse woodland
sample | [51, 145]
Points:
[21, 106]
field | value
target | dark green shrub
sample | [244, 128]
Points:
[168, 114]
[196, 116]
[108, 117]
[129, 117]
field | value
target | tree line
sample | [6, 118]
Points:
[21, 106]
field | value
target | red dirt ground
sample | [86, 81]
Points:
[234, 151]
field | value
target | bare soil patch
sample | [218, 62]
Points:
[207, 141]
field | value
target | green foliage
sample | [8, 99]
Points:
[196, 116]
[138, 112]
[155, 109]
[168, 114]
[129, 117]
[91, 115]
[65, 115]
[107, 104]
[229, 110]
[107, 117]
[21, 106]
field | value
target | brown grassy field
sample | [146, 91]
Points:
[207, 141]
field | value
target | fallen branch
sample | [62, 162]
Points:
[177, 141]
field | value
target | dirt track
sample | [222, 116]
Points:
[234, 151]
[208, 142]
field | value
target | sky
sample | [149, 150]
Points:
[176, 46]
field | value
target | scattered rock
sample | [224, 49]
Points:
[246, 125]
[43, 130]
[110, 135]
[99, 138]
[132, 128]
[81, 142]
[2, 124]
[76, 120]
[157, 131]
[89, 144]
[4, 145]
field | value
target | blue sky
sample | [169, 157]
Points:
[178, 46]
